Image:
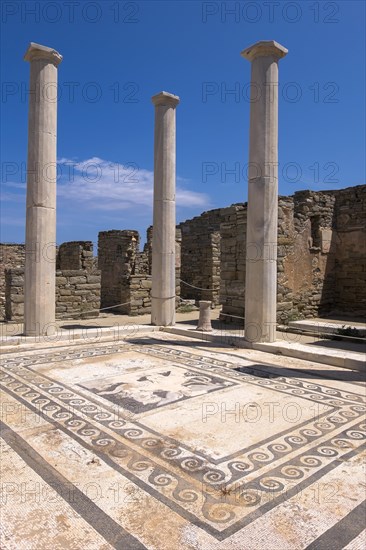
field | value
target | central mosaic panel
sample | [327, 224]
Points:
[153, 384]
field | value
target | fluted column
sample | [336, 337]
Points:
[40, 239]
[261, 255]
[163, 240]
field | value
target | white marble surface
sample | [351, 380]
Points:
[39, 302]
[261, 262]
[163, 244]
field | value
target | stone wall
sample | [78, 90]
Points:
[117, 251]
[11, 256]
[75, 255]
[350, 220]
[126, 272]
[77, 294]
[200, 256]
[77, 284]
[139, 291]
[306, 266]
[14, 294]
[233, 250]
[320, 261]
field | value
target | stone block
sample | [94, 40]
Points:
[94, 279]
[77, 280]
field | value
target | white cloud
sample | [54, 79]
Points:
[105, 185]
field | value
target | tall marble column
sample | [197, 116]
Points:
[163, 240]
[40, 239]
[261, 256]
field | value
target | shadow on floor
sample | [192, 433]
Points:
[262, 369]
[231, 331]
[216, 325]
[80, 327]
[341, 344]
[276, 372]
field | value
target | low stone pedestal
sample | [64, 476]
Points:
[204, 321]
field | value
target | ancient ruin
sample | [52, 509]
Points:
[167, 397]
[270, 261]
[321, 263]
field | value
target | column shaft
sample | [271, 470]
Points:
[40, 240]
[163, 241]
[261, 255]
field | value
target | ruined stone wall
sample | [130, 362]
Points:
[200, 256]
[126, 272]
[14, 294]
[77, 284]
[11, 256]
[148, 246]
[306, 276]
[117, 252]
[178, 264]
[350, 244]
[75, 255]
[77, 294]
[320, 260]
[233, 250]
[138, 286]
[139, 291]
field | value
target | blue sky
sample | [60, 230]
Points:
[117, 54]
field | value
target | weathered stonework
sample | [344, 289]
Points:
[14, 294]
[350, 243]
[117, 251]
[77, 287]
[77, 294]
[11, 256]
[200, 257]
[321, 262]
[233, 255]
[126, 272]
[320, 258]
[75, 255]
[138, 290]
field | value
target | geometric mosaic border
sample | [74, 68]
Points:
[220, 496]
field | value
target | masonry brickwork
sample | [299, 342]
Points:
[11, 256]
[75, 255]
[77, 283]
[117, 252]
[321, 255]
[200, 256]
[126, 272]
[321, 262]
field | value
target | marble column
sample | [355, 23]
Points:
[261, 255]
[40, 239]
[163, 239]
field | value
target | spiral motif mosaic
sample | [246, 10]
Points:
[220, 495]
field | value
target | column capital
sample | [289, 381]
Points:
[264, 48]
[37, 51]
[165, 98]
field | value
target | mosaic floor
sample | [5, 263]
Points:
[161, 443]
